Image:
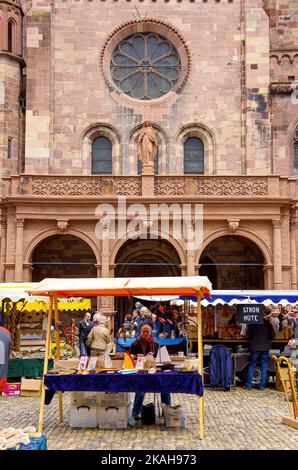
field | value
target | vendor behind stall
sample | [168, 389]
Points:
[146, 346]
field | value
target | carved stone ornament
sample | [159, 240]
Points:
[276, 223]
[20, 222]
[165, 186]
[62, 225]
[232, 186]
[233, 225]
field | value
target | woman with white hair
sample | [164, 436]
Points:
[99, 337]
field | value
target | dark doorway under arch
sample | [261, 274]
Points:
[63, 256]
[144, 258]
[233, 262]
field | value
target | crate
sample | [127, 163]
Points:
[175, 416]
[113, 417]
[84, 398]
[113, 399]
[83, 417]
[30, 387]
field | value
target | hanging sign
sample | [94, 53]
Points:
[250, 313]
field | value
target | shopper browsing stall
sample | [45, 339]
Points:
[99, 338]
[84, 329]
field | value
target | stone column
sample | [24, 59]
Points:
[106, 303]
[3, 228]
[268, 269]
[277, 253]
[19, 250]
[293, 261]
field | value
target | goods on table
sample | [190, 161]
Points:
[11, 437]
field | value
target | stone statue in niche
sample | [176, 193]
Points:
[147, 148]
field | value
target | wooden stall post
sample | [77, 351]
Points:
[200, 365]
[58, 350]
[45, 366]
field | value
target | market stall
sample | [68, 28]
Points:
[219, 321]
[24, 316]
[198, 286]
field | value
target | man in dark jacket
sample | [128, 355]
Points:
[85, 327]
[145, 345]
[260, 336]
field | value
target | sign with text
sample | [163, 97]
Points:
[250, 313]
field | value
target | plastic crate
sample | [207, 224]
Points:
[113, 417]
[83, 417]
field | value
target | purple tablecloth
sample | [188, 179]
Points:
[172, 382]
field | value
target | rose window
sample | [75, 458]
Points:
[145, 66]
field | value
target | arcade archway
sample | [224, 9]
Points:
[233, 262]
[144, 258]
[63, 256]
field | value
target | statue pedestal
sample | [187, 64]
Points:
[148, 169]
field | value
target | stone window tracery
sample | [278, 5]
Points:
[145, 66]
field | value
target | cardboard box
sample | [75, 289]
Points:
[106, 399]
[30, 387]
[84, 399]
[12, 390]
[67, 364]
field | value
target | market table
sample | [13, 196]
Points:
[27, 367]
[159, 382]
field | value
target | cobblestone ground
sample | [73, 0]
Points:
[239, 419]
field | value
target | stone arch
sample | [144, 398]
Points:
[144, 258]
[63, 255]
[163, 144]
[237, 260]
[207, 136]
[90, 134]
[161, 236]
[241, 232]
[35, 241]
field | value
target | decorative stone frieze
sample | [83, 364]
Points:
[232, 186]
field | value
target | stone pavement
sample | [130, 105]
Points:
[239, 419]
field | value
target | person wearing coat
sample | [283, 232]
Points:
[260, 337]
[99, 337]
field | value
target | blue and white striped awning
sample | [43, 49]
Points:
[266, 297]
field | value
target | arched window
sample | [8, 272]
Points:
[295, 164]
[10, 38]
[193, 156]
[155, 165]
[101, 156]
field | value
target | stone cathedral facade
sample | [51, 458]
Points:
[217, 81]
